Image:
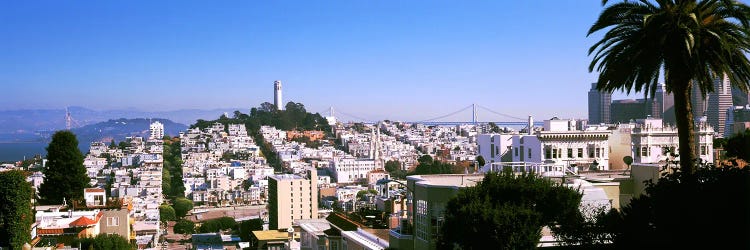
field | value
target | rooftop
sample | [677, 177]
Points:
[447, 180]
[271, 235]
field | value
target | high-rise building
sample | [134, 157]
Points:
[157, 130]
[719, 102]
[661, 105]
[277, 95]
[599, 105]
[292, 197]
[738, 119]
[623, 111]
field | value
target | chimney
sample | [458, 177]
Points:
[531, 125]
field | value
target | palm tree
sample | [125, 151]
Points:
[691, 42]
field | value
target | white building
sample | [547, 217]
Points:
[494, 147]
[652, 141]
[561, 142]
[350, 169]
[157, 130]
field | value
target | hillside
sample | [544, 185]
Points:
[121, 128]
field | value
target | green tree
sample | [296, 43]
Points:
[506, 211]
[64, 174]
[182, 206]
[739, 146]
[184, 227]
[690, 42]
[392, 166]
[105, 241]
[716, 201]
[480, 161]
[218, 224]
[16, 216]
[167, 213]
[247, 227]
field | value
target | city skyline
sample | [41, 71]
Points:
[378, 60]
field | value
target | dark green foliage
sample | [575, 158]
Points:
[184, 227]
[182, 206]
[720, 142]
[429, 166]
[480, 161]
[707, 210]
[247, 227]
[394, 169]
[104, 241]
[215, 225]
[64, 175]
[172, 184]
[690, 43]
[16, 216]
[739, 146]
[167, 213]
[506, 211]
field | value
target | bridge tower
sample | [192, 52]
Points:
[474, 113]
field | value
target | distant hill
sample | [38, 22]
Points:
[19, 123]
[121, 128]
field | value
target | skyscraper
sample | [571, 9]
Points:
[719, 102]
[661, 105]
[599, 105]
[277, 95]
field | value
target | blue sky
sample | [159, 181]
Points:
[406, 60]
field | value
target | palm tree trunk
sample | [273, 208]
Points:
[685, 124]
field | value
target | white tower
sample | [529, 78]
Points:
[277, 95]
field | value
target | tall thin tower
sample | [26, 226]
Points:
[277, 95]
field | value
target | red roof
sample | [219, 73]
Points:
[94, 190]
[82, 222]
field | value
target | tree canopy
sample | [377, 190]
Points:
[247, 227]
[184, 227]
[64, 174]
[167, 213]
[16, 215]
[716, 203]
[506, 211]
[105, 241]
[691, 43]
[182, 206]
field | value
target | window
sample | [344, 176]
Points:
[492, 151]
[113, 221]
[591, 152]
[598, 152]
[644, 151]
[703, 150]
[547, 153]
[516, 151]
[529, 153]
[554, 153]
[570, 153]
[580, 152]
[492, 139]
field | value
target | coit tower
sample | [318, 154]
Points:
[277, 95]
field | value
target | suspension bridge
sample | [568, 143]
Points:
[466, 115]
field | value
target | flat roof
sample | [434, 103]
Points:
[271, 235]
[447, 180]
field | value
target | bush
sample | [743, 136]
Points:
[707, 210]
[506, 211]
